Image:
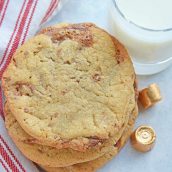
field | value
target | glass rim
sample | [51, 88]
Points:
[138, 26]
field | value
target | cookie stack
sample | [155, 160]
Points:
[70, 98]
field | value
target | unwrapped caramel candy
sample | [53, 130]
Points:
[143, 138]
[149, 96]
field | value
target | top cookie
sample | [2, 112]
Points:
[71, 86]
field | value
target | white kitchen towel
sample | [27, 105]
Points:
[19, 19]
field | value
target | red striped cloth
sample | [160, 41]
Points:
[19, 19]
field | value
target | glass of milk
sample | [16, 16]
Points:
[145, 28]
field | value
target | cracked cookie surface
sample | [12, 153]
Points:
[71, 87]
[52, 157]
[94, 165]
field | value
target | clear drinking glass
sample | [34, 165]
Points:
[150, 50]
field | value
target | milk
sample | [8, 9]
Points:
[144, 27]
[152, 14]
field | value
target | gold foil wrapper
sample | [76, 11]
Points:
[154, 93]
[149, 96]
[143, 138]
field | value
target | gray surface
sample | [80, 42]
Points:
[159, 117]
